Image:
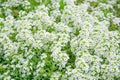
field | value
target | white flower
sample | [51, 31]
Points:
[116, 21]
[55, 76]
[43, 56]
[70, 2]
[72, 43]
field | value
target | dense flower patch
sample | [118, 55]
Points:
[59, 40]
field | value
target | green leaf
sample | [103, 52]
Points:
[62, 4]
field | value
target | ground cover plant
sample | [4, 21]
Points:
[59, 39]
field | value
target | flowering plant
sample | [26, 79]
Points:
[59, 39]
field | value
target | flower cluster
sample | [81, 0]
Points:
[59, 40]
